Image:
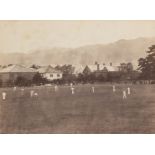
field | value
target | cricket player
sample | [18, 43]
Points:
[14, 88]
[56, 88]
[124, 94]
[129, 91]
[31, 93]
[36, 94]
[22, 91]
[72, 89]
[3, 95]
[114, 89]
[93, 89]
[71, 85]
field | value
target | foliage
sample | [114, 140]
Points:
[147, 64]
[1, 83]
[38, 79]
[35, 66]
[87, 71]
[21, 81]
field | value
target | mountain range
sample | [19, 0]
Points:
[116, 52]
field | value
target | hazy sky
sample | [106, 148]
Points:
[24, 36]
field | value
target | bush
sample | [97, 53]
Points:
[9, 83]
[1, 83]
[152, 82]
[38, 79]
[21, 81]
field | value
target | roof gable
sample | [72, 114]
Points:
[48, 69]
[16, 69]
[92, 67]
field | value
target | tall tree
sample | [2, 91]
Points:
[147, 64]
[87, 71]
[35, 66]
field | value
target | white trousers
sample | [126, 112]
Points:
[124, 95]
[93, 89]
[3, 95]
[72, 91]
[31, 93]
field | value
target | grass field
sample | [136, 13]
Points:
[83, 112]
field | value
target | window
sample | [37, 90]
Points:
[51, 75]
[58, 75]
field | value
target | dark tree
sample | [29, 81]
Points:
[1, 82]
[21, 81]
[10, 64]
[67, 71]
[87, 71]
[35, 66]
[147, 65]
[38, 79]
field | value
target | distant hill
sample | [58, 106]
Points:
[116, 52]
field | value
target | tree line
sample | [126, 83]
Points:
[145, 71]
[147, 65]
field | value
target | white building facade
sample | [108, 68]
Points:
[50, 73]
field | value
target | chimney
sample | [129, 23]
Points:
[96, 62]
[98, 66]
[110, 63]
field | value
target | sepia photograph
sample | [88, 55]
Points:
[77, 76]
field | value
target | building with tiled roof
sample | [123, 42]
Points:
[50, 73]
[12, 72]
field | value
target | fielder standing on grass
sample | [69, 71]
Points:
[114, 89]
[129, 91]
[14, 88]
[72, 89]
[31, 93]
[22, 91]
[56, 88]
[71, 85]
[124, 94]
[93, 89]
[35, 94]
[3, 95]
